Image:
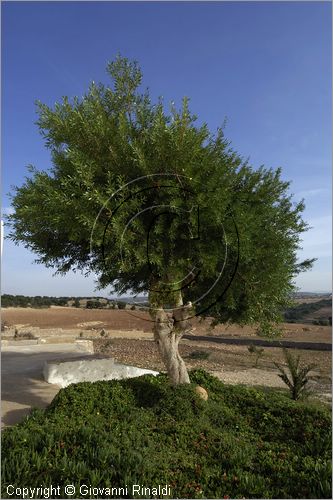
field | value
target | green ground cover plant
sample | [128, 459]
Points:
[242, 442]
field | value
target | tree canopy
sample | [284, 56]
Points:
[152, 202]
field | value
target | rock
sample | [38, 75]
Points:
[202, 393]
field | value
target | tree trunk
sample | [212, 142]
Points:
[169, 327]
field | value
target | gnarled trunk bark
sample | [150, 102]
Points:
[169, 327]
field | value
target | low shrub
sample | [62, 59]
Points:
[258, 352]
[121, 305]
[94, 304]
[4, 324]
[199, 355]
[23, 335]
[269, 329]
[242, 442]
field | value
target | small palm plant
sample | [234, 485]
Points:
[299, 375]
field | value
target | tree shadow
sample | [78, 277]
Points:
[146, 393]
[22, 383]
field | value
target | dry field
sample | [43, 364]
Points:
[71, 318]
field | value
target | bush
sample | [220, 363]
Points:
[268, 329]
[23, 335]
[199, 355]
[242, 442]
[258, 352]
[321, 322]
[94, 304]
[324, 322]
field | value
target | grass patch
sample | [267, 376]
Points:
[242, 442]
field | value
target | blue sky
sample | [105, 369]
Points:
[265, 66]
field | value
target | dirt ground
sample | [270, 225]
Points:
[71, 318]
[231, 363]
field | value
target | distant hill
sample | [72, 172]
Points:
[306, 297]
[314, 310]
[40, 301]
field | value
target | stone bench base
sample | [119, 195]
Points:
[89, 369]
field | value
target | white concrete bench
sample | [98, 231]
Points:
[89, 369]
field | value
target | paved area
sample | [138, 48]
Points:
[22, 384]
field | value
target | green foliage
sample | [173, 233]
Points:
[257, 351]
[45, 301]
[321, 322]
[242, 442]
[121, 305]
[219, 212]
[36, 302]
[198, 355]
[268, 329]
[94, 304]
[298, 377]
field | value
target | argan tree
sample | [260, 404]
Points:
[153, 203]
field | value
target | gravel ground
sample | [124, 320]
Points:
[232, 364]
